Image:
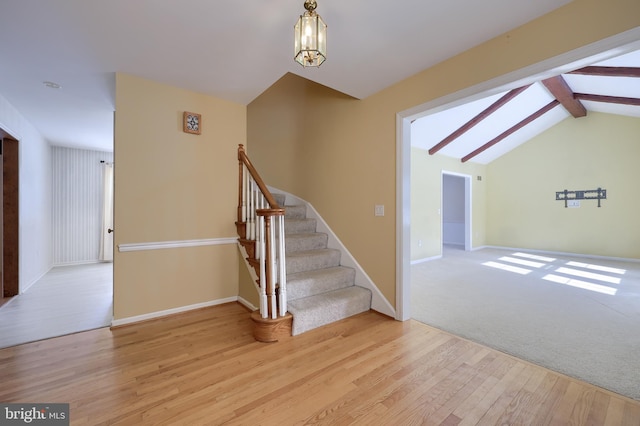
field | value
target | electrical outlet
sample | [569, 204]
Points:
[379, 210]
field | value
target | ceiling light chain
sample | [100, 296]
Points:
[310, 37]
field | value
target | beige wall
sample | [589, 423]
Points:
[599, 150]
[426, 201]
[339, 153]
[173, 186]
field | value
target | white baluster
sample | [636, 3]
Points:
[274, 270]
[264, 311]
[252, 211]
[244, 194]
[282, 267]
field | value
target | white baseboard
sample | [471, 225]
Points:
[173, 311]
[22, 289]
[244, 302]
[83, 262]
[426, 259]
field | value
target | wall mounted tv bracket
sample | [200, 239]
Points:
[591, 194]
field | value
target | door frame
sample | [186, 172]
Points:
[10, 223]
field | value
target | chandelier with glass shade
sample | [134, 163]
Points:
[310, 45]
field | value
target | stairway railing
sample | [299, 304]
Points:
[261, 220]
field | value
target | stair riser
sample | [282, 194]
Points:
[305, 285]
[306, 242]
[313, 261]
[299, 226]
[280, 198]
[295, 212]
[331, 309]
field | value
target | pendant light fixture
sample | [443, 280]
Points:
[310, 46]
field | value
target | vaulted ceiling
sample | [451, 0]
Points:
[230, 49]
[235, 50]
[483, 130]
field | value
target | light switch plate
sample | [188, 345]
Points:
[379, 210]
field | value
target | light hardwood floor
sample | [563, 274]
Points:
[204, 368]
[67, 299]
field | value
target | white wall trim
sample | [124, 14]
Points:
[244, 302]
[426, 259]
[173, 311]
[176, 244]
[378, 301]
[565, 253]
[84, 262]
[21, 290]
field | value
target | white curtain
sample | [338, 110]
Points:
[106, 237]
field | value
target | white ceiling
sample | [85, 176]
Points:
[428, 131]
[227, 48]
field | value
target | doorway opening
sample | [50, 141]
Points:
[604, 49]
[456, 210]
[9, 218]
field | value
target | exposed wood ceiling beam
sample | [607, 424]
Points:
[608, 99]
[563, 93]
[609, 71]
[478, 118]
[511, 130]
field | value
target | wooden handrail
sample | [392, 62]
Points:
[242, 157]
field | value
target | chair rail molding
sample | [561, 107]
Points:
[176, 244]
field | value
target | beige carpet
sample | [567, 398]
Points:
[574, 315]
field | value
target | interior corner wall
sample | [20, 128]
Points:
[340, 153]
[599, 150]
[35, 195]
[303, 139]
[77, 192]
[174, 187]
[426, 201]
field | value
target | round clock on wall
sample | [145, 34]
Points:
[192, 122]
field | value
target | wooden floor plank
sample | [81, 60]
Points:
[204, 367]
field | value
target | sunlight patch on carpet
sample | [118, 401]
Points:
[581, 284]
[510, 268]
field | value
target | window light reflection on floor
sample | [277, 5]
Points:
[524, 262]
[510, 268]
[598, 267]
[580, 284]
[535, 257]
[589, 275]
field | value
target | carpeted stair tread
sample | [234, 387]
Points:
[299, 226]
[321, 309]
[305, 241]
[312, 259]
[309, 283]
